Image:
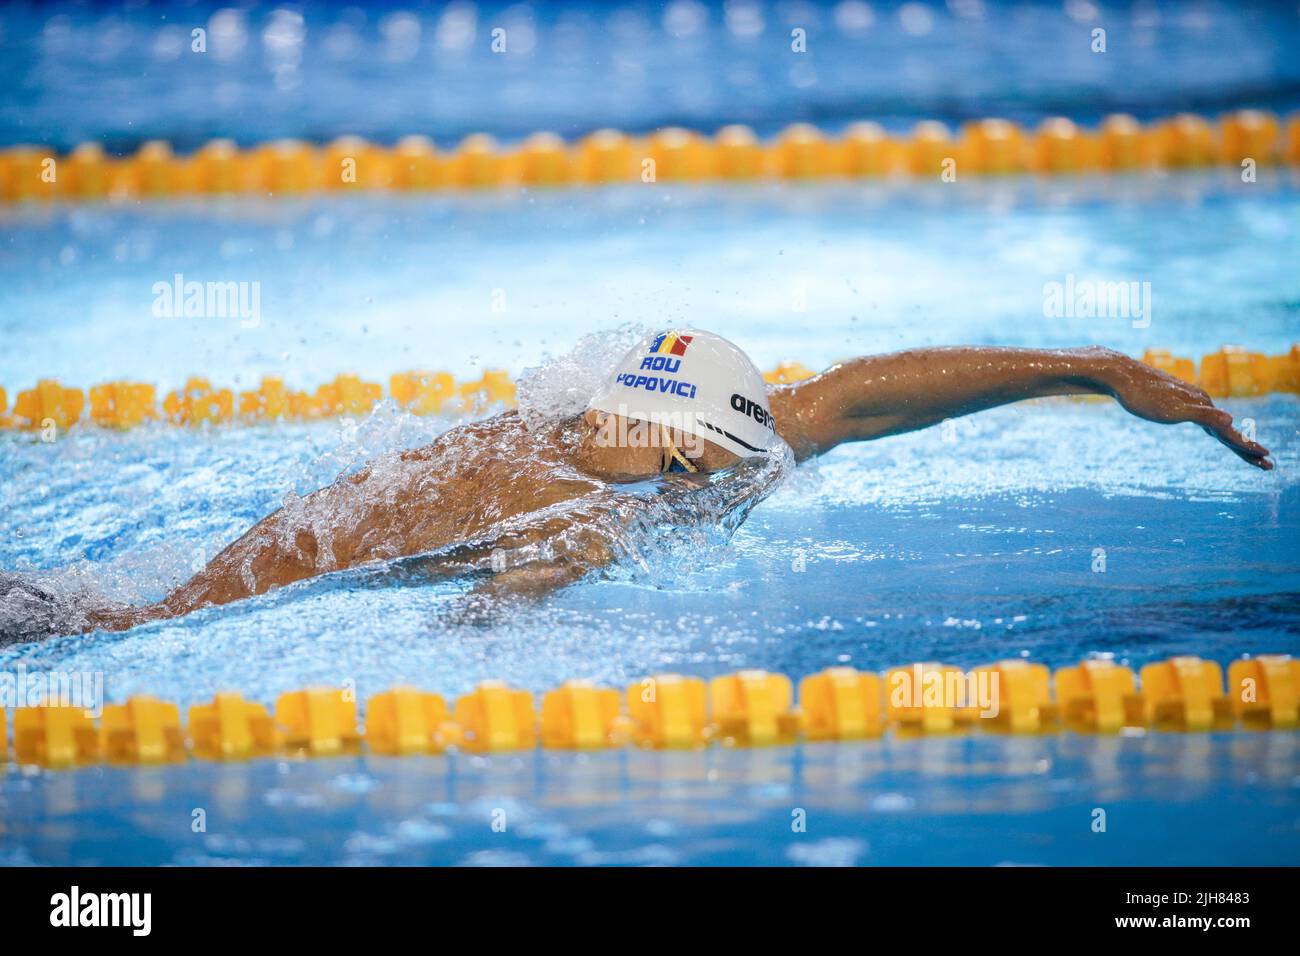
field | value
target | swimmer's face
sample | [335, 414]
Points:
[626, 448]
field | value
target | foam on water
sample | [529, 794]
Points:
[562, 386]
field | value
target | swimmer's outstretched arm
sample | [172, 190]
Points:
[883, 395]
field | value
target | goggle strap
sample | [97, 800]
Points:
[672, 454]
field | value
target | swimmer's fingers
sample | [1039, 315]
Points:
[1157, 397]
[530, 582]
[1218, 423]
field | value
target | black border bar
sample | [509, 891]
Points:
[952, 907]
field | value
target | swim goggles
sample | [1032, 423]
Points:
[673, 460]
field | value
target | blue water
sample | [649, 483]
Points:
[965, 544]
[72, 72]
[1191, 799]
[381, 284]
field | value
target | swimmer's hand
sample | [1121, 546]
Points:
[1151, 394]
[504, 595]
[529, 583]
[576, 550]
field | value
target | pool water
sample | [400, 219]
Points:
[967, 543]
[982, 539]
[121, 75]
[1194, 799]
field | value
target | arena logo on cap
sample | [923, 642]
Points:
[752, 409]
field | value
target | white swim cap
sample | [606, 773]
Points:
[697, 382]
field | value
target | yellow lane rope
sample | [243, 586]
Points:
[1242, 138]
[670, 711]
[1230, 372]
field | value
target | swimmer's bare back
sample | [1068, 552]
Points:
[469, 480]
[477, 476]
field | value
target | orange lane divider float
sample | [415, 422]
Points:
[122, 404]
[319, 722]
[990, 146]
[581, 716]
[407, 721]
[750, 708]
[495, 717]
[143, 730]
[1231, 372]
[231, 728]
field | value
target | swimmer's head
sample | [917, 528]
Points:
[682, 400]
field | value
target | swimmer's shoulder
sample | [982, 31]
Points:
[471, 433]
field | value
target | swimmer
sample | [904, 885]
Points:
[685, 403]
